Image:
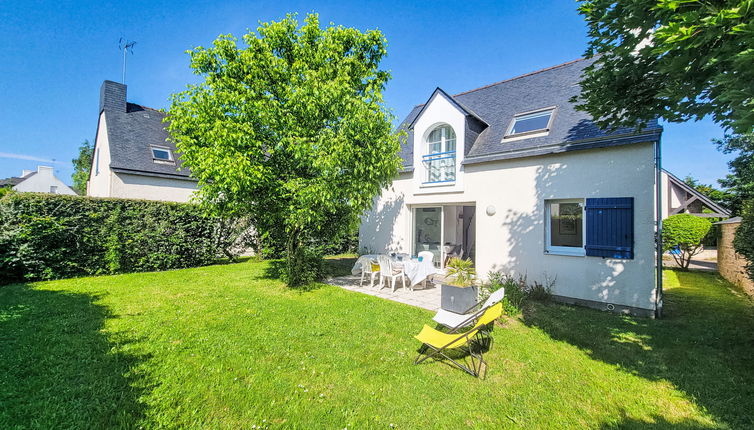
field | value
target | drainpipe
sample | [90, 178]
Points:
[658, 223]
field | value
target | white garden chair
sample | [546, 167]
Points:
[369, 266]
[388, 271]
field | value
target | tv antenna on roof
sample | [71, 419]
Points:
[125, 46]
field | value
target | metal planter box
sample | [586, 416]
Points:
[458, 299]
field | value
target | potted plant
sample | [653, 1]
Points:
[458, 292]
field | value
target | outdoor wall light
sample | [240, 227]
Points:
[491, 210]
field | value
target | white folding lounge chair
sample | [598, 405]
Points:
[388, 271]
[456, 321]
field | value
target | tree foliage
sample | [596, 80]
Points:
[290, 128]
[740, 182]
[684, 233]
[672, 59]
[82, 166]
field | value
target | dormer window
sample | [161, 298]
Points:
[526, 123]
[161, 154]
[440, 155]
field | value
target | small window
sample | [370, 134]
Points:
[531, 122]
[564, 227]
[96, 162]
[53, 189]
[162, 154]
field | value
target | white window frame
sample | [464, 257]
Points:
[565, 250]
[443, 152]
[526, 115]
[161, 148]
[96, 162]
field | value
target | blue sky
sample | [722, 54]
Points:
[55, 54]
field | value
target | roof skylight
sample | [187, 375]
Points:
[531, 122]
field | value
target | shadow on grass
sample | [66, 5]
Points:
[58, 369]
[704, 344]
[657, 422]
[331, 267]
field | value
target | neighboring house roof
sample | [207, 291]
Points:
[719, 210]
[131, 135]
[13, 181]
[132, 130]
[496, 104]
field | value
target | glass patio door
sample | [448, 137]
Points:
[428, 231]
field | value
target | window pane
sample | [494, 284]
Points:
[537, 121]
[450, 145]
[566, 223]
[161, 154]
[434, 148]
[435, 135]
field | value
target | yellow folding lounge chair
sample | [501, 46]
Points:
[436, 343]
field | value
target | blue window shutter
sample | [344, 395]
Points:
[610, 227]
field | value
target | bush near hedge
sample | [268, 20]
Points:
[48, 236]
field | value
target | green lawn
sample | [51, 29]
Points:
[230, 347]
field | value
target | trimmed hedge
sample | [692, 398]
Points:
[48, 236]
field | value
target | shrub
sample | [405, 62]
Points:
[684, 233]
[744, 239]
[517, 290]
[461, 272]
[47, 236]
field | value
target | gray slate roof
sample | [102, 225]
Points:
[130, 135]
[496, 104]
[12, 181]
[131, 130]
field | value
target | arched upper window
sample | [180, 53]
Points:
[440, 154]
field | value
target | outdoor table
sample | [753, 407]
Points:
[416, 271]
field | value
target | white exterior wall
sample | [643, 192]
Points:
[127, 186]
[42, 181]
[513, 239]
[671, 196]
[100, 175]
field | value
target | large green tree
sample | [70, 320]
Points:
[290, 129]
[82, 165]
[677, 60]
[740, 182]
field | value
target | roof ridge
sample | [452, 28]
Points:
[546, 69]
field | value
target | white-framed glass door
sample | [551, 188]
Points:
[427, 231]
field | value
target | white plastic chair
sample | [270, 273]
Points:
[366, 267]
[455, 321]
[387, 271]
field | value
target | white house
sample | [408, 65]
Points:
[133, 157]
[512, 176]
[41, 181]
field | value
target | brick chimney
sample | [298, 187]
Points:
[112, 97]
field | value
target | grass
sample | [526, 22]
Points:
[230, 347]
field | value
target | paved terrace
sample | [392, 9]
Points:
[424, 297]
